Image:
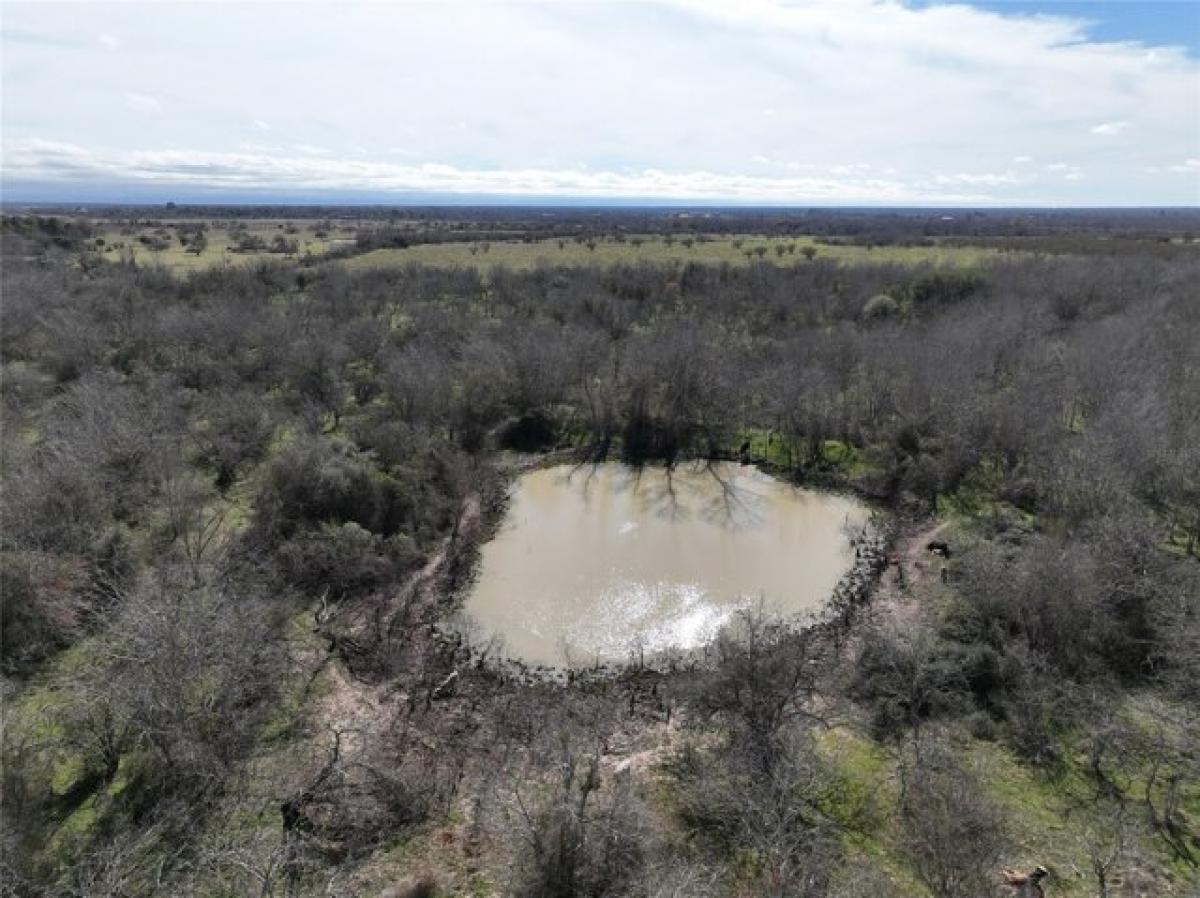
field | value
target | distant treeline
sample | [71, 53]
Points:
[539, 222]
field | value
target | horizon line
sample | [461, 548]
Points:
[495, 201]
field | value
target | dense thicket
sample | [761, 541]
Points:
[187, 459]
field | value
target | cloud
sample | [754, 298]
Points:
[108, 41]
[1067, 170]
[979, 179]
[41, 160]
[850, 168]
[22, 37]
[142, 102]
[923, 89]
[261, 125]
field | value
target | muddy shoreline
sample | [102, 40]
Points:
[851, 593]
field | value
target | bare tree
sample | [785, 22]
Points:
[1105, 842]
[954, 834]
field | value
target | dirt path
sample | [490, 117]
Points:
[911, 571]
[361, 711]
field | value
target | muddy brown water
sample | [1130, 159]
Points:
[599, 563]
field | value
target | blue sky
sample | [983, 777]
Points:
[1149, 21]
[812, 102]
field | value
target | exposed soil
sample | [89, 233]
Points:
[911, 570]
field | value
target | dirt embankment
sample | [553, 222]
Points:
[911, 570]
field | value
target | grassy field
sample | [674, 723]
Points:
[516, 254]
[120, 239]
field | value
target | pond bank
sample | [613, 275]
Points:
[762, 530]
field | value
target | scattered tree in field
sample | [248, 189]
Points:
[282, 245]
[880, 306]
[198, 243]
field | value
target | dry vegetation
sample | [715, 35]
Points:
[655, 249]
[239, 501]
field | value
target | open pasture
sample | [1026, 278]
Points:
[739, 250]
[225, 242]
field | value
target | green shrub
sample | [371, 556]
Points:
[879, 307]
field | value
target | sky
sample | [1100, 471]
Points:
[805, 102]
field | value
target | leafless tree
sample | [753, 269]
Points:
[954, 834]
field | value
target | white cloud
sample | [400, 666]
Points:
[1068, 171]
[261, 125]
[142, 102]
[108, 41]
[43, 160]
[687, 86]
[979, 179]
[1188, 165]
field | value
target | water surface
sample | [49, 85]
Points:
[598, 562]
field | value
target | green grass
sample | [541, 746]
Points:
[1050, 817]
[766, 446]
[219, 250]
[519, 255]
[1051, 824]
[772, 448]
[869, 781]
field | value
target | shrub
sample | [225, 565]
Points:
[879, 307]
[315, 482]
[907, 678]
[954, 834]
[41, 608]
[340, 559]
[582, 840]
[531, 432]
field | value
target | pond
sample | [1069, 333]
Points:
[601, 562]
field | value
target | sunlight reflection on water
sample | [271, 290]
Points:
[601, 562]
